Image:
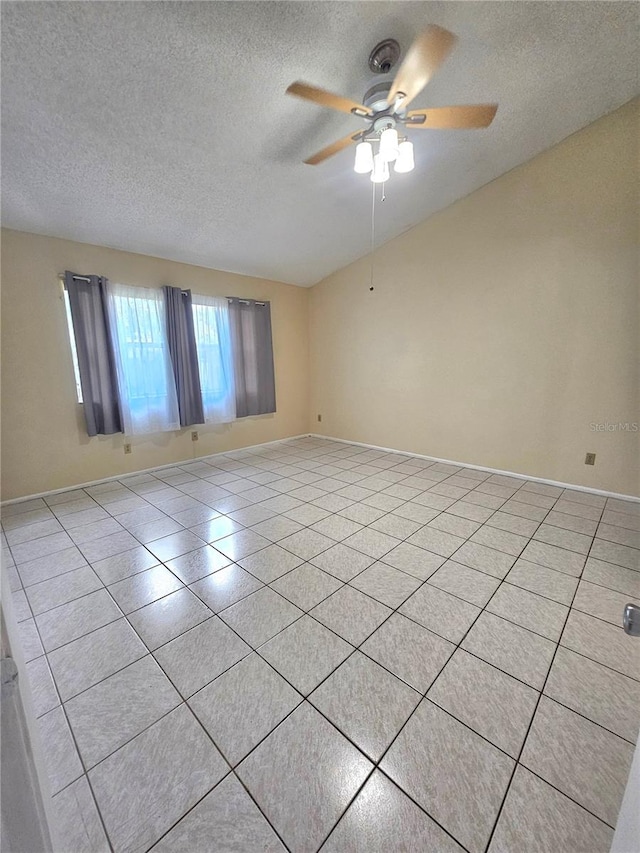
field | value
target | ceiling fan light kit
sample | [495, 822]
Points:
[389, 144]
[364, 158]
[380, 172]
[404, 160]
[385, 106]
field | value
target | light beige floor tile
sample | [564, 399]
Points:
[487, 560]
[197, 657]
[487, 700]
[516, 651]
[571, 522]
[198, 564]
[367, 703]
[546, 582]
[620, 535]
[436, 541]
[455, 775]
[602, 695]
[227, 814]
[351, 614]
[124, 565]
[463, 582]
[165, 619]
[44, 695]
[538, 819]
[60, 754]
[555, 558]
[602, 642]
[62, 589]
[143, 588]
[440, 612]
[450, 523]
[529, 610]
[413, 560]
[306, 586]
[260, 616]
[112, 712]
[50, 566]
[70, 621]
[77, 819]
[225, 587]
[613, 577]
[95, 656]
[303, 806]
[307, 543]
[305, 653]
[572, 541]
[243, 705]
[270, 563]
[611, 552]
[148, 784]
[409, 651]
[501, 540]
[372, 542]
[386, 584]
[381, 819]
[581, 759]
[601, 602]
[513, 523]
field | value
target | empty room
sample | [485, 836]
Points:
[320, 427]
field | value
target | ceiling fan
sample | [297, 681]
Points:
[384, 106]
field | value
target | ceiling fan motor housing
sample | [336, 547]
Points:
[384, 56]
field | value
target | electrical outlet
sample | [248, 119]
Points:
[127, 448]
[319, 418]
[194, 435]
[590, 459]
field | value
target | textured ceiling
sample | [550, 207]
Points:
[163, 128]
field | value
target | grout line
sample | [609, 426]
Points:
[533, 717]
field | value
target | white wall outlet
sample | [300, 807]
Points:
[590, 459]
[127, 447]
[194, 435]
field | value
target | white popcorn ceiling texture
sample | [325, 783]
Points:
[163, 128]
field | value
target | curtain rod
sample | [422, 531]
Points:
[77, 277]
[184, 292]
[245, 301]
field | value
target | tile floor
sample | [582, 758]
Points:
[313, 645]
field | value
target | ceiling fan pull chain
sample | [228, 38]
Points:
[373, 231]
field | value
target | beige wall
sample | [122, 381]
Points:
[502, 327]
[44, 441]
[499, 330]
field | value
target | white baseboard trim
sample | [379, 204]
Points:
[518, 476]
[148, 470]
[409, 453]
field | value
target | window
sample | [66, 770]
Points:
[213, 343]
[152, 360]
[72, 339]
[145, 379]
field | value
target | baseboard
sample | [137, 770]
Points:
[409, 453]
[518, 476]
[148, 470]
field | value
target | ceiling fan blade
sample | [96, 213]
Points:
[332, 149]
[452, 118]
[327, 99]
[423, 59]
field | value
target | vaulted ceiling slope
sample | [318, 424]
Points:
[163, 127]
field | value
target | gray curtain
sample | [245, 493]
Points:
[184, 355]
[252, 346]
[87, 299]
